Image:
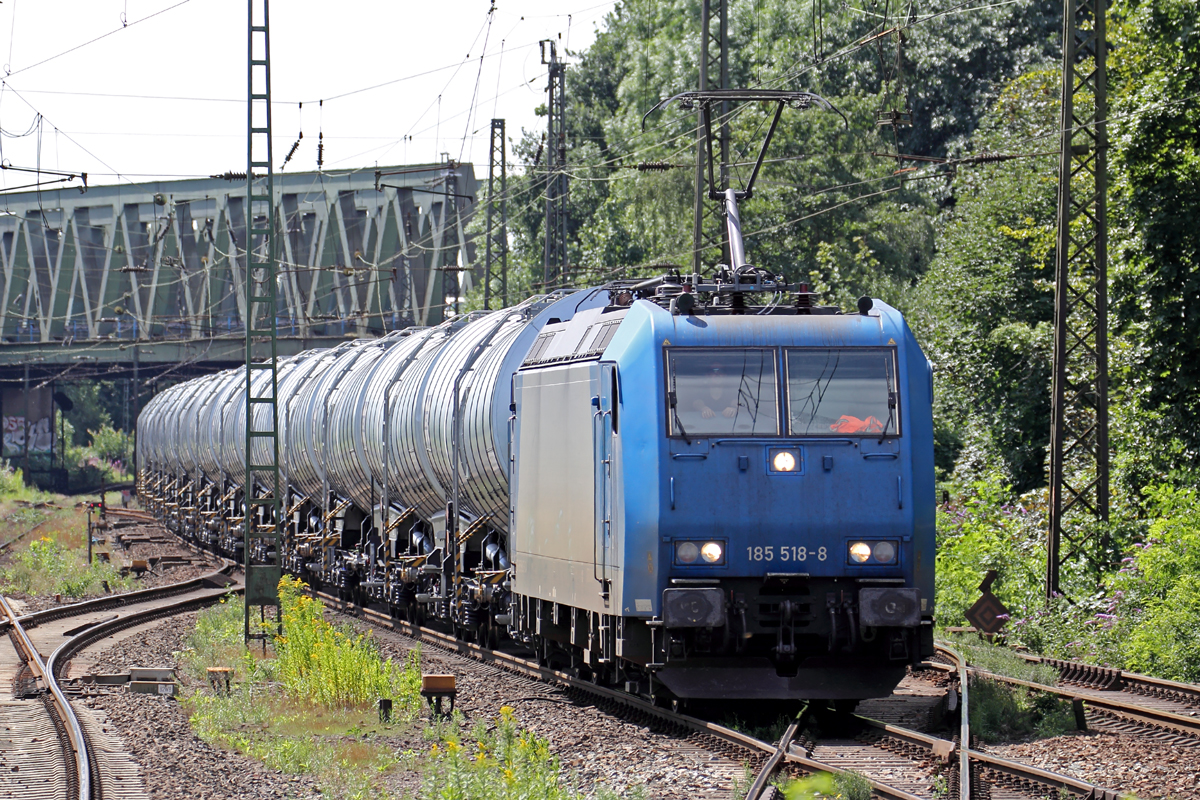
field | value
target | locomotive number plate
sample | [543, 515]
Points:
[785, 553]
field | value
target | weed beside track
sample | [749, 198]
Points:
[307, 704]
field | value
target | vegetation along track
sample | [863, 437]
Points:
[895, 761]
[51, 752]
[900, 762]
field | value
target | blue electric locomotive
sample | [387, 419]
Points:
[728, 502]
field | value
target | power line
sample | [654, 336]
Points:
[124, 26]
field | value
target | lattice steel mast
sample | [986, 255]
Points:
[714, 74]
[554, 264]
[262, 512]
[1079, 456]
[495, 264]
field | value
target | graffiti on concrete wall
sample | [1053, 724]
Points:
[38, 430]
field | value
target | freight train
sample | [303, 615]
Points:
[656, 483]
[690, 486]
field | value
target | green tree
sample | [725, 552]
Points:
[1155, 69]
[984, 310]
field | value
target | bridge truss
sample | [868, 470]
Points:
[166, 261]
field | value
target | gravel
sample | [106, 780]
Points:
[1117, 761]
[595, 748]
[156, 732]
[175, 764]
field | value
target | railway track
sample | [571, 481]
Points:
[1120, 702]
[53, 751]
[45, 739]
[897, 762]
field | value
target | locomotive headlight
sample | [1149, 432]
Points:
[712, 552]
[700, 553]
[686, 552]
[860, 552]
[884, 552]
[783, 461]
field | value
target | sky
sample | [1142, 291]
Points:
[137, 90]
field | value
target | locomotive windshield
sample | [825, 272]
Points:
[725, 392]
[840, 392]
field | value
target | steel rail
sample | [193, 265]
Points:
[768, 769]
[964, 730]
[1092, 676]
[1109, 679]
[62, 708]
[59, 658]
[966, 755]
[1152, 717]
[36, 618]
[1013, 769]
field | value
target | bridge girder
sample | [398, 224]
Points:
[165, 261]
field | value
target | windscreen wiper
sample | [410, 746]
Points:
[674, 401]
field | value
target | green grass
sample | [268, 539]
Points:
[344, 748]
[47, 566]
[1003, 713]
[1000, 712]
[498, 760]
[47, 537]
[334, 665]
[346, 751]
[279, 714]
[769, 732]
[841, 785]
[1001, 660]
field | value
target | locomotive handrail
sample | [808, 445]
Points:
[600, 535]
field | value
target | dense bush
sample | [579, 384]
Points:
[1140, 617]
[989, 529]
